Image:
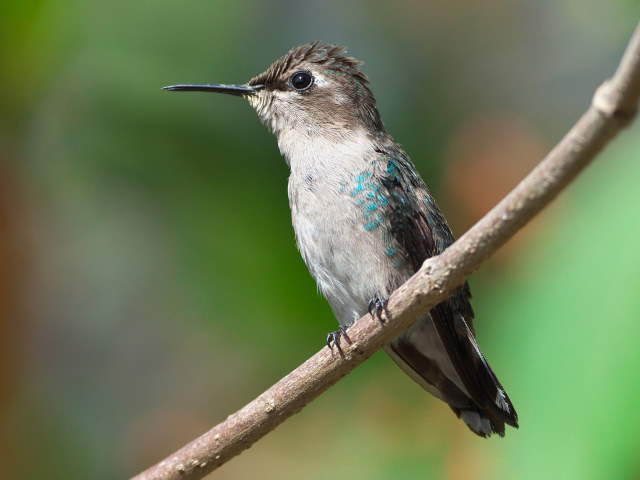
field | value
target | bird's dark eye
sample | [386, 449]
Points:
[301, 80]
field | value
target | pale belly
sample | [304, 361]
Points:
[348, 255]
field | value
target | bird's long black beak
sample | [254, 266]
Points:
[238, 90]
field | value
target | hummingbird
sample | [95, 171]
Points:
[365, 221]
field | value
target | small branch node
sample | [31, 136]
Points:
[608, 101]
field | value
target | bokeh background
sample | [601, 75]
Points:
[149, 280]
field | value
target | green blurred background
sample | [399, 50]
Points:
[149, 281]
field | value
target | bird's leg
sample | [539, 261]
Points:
[333, 338]
[377, 306]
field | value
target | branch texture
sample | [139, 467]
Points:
[613, 107]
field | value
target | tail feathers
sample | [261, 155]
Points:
[475, 373]
[448, 363]
[480, 424]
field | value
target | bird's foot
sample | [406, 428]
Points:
[377, 306]
[333, 338]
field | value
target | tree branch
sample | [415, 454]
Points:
[613, 107]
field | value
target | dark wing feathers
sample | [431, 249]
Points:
[423, 232]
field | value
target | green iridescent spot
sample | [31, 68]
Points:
[372, 225]
[363, 176]
[357, 190]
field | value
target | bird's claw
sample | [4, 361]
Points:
[377, 306]
[333, 338]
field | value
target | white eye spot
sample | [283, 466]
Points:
[338, 96]
[320, 80]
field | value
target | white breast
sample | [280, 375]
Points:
[347, 261]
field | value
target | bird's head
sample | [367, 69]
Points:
[314, 89]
